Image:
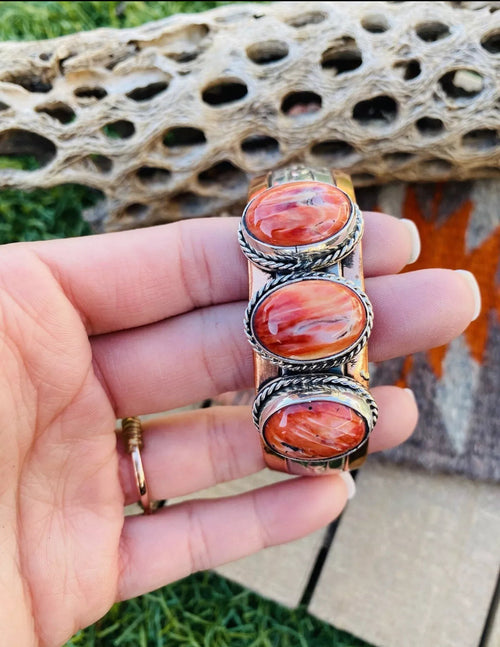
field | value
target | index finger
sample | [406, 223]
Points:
[133, 278]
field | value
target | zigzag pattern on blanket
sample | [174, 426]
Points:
[456, 385]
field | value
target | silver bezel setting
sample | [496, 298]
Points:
[287, 390]
[312, 365]
[313, 256]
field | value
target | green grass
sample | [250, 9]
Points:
[204, 610]
[38, 20]
[44, 214]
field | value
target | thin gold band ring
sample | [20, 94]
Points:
[133, 440]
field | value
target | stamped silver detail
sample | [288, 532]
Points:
[300, 173]
[301, 364]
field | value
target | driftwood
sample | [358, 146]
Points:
[171, 119]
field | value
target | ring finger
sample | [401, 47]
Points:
[220, 444]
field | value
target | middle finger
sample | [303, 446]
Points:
[205, 352]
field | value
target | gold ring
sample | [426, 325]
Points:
[132, 438]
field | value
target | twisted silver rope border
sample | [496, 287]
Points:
[305, 365]
[324, 383]
[310, 261]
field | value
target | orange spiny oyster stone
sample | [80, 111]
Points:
[316, 429]
[309, 320]
[298, 213]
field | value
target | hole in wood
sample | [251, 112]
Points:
[301, 103]
[192, 205]
[45, 56]
[487, 171]
[224, 91]
[268, 51]
[380, 110]
[118, 58]
[152, 175]
[398, 158]
[334, 151]
[182, 38]
[17, 143]
[184, 57]
[412, 70]
[19, 162]
[308, 18]
[145, 92]
[30, 82]
[429, 126]
[223, 174]
[3, 106]
[97, 210]
[100, 163]
[183, 136]
[375, 23]
[408, 69]
[360, 179]
[86, 92]
[136, 210]
[121, 129]
[344, 58]
[260, 145]
[432, 31]
[481, 139]
[62, 61]
[182, 45]
[58, 111]
[491, 42]
[461, 84]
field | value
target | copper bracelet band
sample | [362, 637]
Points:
[308, 320]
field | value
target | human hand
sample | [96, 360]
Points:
[137, 322]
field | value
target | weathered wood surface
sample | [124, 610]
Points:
[415, 560]
[384, 90]
[493, 638]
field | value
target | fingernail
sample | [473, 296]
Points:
[349, 482]
[415, 239]
[474, 286]
[411, 394]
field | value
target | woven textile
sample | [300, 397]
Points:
[456, 385]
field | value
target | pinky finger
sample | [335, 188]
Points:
[201, 534]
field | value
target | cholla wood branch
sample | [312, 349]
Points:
[171, 119]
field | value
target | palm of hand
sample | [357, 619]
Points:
[61, 490]
[89, 333]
